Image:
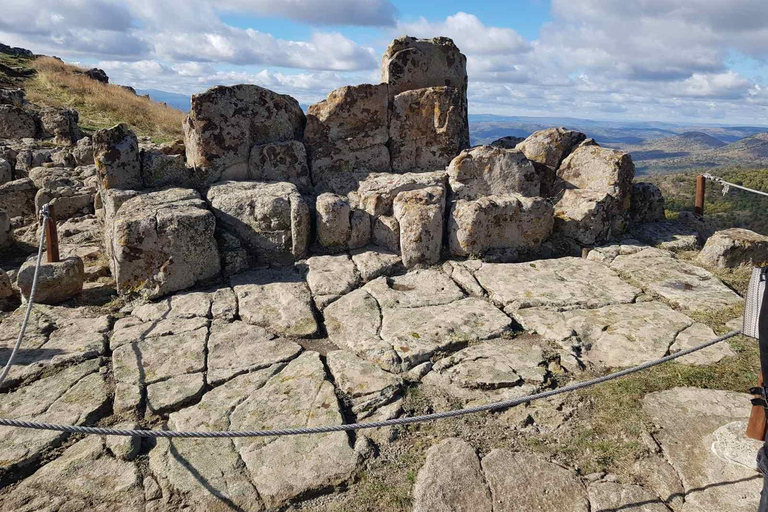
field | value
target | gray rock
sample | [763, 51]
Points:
[174, 392]
[62, 124]
[333, 221]
[83, 152]
[365, 385]
[464, 278]
[733, 446]
[449, 462]
[386, 233]
[133, 330]
[507, 142]
[606, 496]
[372, 262]
[277, 300]
[420, 214]
[428, 128]
[526, 481]
[6, 289]
[17, 198]
[697, 334]
[657, 475]
[376, 194]
[13, 97]
[683, 285]
[270, 219]
[562, 283]
[409, 63]
[360, 229]
[6, 171]
[123, 447]
[17, 123]
[428, 287]
[279, 161]
[56, 282]
[160, 242]
[507, 226]
[224, 123]
[491, 171]
[348, 132]
[687, 419]
[236, 348]
[161, 170]
[671, 235]
[646, 203]
[6, 232]
[547, 149]
[75, 396]
[116, 154]
[733, 248]
[329, 277]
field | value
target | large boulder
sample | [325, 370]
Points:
[17, 123]
[735, 247]
[270, 219]
[280, 161]
[71, 190]
[428, 128]
[224, 123]
[646, 203]
[116, 154]
[506, 226]
[593, 186]
[159, 242]
[61, 124]
[17, 197]
[161, 170]
[507, 142]
[419, 215]
[490, 171]
[347, 132]
[377, 192]
[547, 149]
[56, 282]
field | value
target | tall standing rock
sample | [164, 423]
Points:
[346, 133]
[116, 154]
[547, 149]
[224, 123]
[420, 214]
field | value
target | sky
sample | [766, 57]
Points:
[691, 61]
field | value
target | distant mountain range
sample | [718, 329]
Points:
[179, 101]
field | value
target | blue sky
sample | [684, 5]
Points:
[694, 61]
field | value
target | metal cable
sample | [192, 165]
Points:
[359, 426]
[45, 214]
[727, 184]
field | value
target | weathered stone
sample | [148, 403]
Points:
[234, 256]
[174, 392]
[190, 305]
[6, 233]
[160, 170]
[116, 154]
[507, 226]
[507, 142]
[279, 161]
[56, 282]
[83, 152]
[697, 334]
[84, 477]
[123, 447]
[236, 348]
[428, 128]
[410, 63]
[671, 235]
[271, 219]
[127, 399]
[329, 277]
[365, 385]
[646, 203]
[160, 242]
[683, 285]
[558, 283]
[657, 475]
[461, 274]
[735, 247]
[255, 473]
[526, 481]
[419, 214]
[6, 171]
[386, 233]
[353, 323]
[277, 300]
[224, 304]
[490, 171]
[376, 194]
[224, 123]
[605, 496]
[13, 97]
[133, 330]
[360, 229]
[6, 289]
[348, 132]
[449, 462]
[373, 262]
[688, 419]
[17, 198]
[594, 187]
[73, 396]
[551, 146]
[607, 253]
[62, 124]
[490, 371]
[333, 220]
[733, 446]
[428, 287]
[17, 123]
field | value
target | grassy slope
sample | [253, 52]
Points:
[57, 84]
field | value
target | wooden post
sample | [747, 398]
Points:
[52, 236]
[701, 188]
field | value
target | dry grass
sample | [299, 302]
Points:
[101, 105]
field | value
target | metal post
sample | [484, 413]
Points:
[52, 236]
[701, 184]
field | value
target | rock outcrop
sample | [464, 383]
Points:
[735, 247]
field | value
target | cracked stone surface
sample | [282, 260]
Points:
[364, 384]
[277, 300]
[254, 473]
[683, 285]
[623, 334]
[489, 372]
[559, 283]
[72, 396]
[688, 419]
[330, 277]
[612, 496]
[373, 262]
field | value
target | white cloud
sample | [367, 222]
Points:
[329, 12]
